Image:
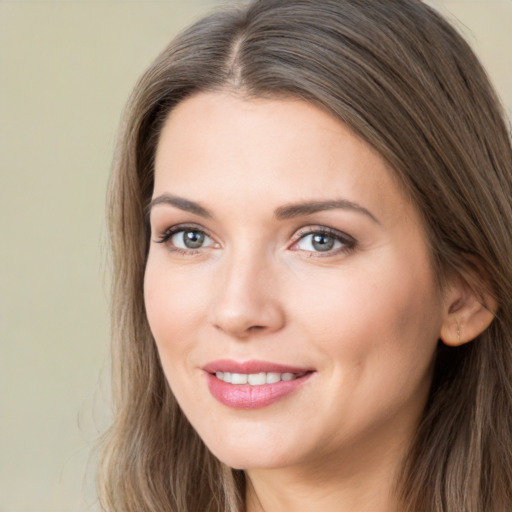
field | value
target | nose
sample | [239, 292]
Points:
[247, 302]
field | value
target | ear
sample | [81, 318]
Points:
[467, 313]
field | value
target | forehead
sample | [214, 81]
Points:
[221, 147]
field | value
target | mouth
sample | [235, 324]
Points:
[257, 379]
[253, 384]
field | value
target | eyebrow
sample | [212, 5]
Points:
[180, 203]
[309, 207]
[285, 212]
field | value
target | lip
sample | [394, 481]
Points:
[253, 366]
[245, 396]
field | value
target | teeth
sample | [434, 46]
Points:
[272, 378]
[255, 379]
[239, 378]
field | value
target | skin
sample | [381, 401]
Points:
[366, 315]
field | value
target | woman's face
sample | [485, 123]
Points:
[282, 248]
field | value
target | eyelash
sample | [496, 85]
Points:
[348, 242]
[173, 230]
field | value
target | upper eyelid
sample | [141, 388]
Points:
[313, 230]
[176, 228]
[300, 231]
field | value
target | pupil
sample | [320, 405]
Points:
[193, 239]
[322, 242]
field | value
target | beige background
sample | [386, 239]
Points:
[66, 69]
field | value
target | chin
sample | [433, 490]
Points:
[250, 461]
[254, 456]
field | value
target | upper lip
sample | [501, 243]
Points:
[253, 366]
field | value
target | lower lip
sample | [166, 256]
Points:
[245, 396]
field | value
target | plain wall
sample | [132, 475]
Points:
[66, 69]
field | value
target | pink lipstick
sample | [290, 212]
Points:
[253, 384]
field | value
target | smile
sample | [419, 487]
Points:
[253, 384]
[257, 379]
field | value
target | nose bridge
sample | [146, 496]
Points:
[247, 297]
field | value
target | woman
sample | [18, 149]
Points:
[311, 226]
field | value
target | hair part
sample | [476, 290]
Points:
[403, 80]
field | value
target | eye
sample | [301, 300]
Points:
[185, 239]
[190, 239]
[324, 241]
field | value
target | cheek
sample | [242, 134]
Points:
[175, 304]
[367, 314]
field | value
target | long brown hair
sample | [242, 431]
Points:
[402, 78]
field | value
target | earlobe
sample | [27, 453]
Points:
[467, 315]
